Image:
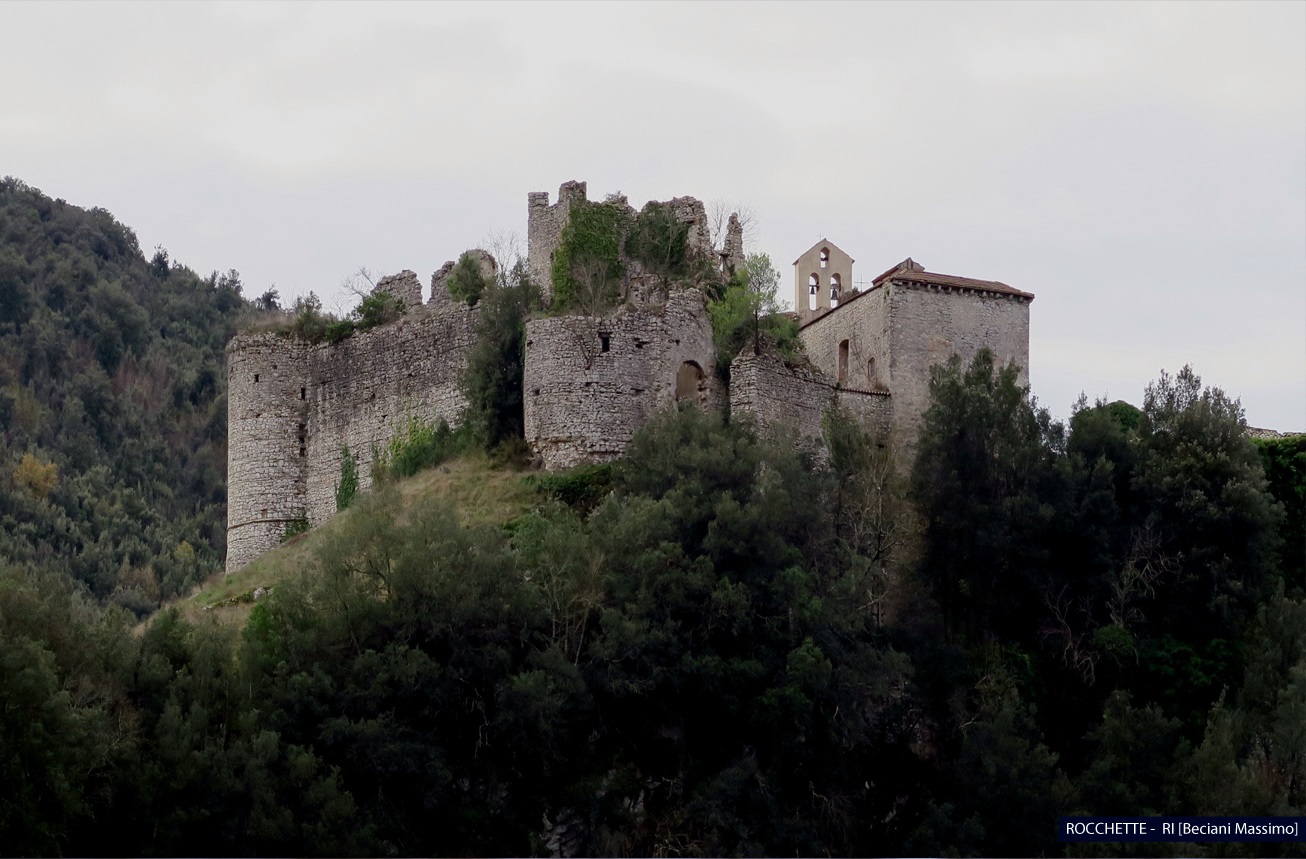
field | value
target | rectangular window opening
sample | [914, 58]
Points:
[605, 342]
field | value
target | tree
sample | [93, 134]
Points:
[269, 300]
[1203, 489]
[718, 218]
[492, 381]
[748, 313]
[468, 282]
[984, 456]
[37, 477]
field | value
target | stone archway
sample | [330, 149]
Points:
[691, 384]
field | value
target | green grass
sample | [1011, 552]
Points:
[481, 492]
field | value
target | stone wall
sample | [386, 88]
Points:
[930, 323]
[292, 406]
[404, 286]
[863, 322]
[784, 398]
[692, 212]
[591, 382]
[266, 418]
[544, 225]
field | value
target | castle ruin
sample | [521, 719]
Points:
[591, 381]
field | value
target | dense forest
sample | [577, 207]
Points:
[112, 404]
[720, 644]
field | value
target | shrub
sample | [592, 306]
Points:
[310, 323]
[580, 488]
[338, 329]
[295, 527]
[347, 488]
[378, 309]
[416, 446]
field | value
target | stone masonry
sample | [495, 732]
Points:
[293, 406]
[885, 339]
[590, 382]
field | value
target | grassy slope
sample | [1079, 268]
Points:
[480, 491]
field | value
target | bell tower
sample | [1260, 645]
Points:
[822, 275]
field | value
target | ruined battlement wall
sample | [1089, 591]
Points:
[931, 323]
[783, 398]
[365, 388]
[591, 382]
[292, 406]
[404, 286]
[544, 225]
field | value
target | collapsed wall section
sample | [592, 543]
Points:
[591, 382]
[404, 286]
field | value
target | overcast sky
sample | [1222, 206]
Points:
[1140, 167]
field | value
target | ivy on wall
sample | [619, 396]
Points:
[587, 265]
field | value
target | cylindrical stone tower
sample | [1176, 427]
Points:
[267, 426]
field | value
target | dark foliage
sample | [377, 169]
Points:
[715, 646]
[111, 373]
[492, 381]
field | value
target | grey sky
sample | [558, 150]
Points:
[1140, 167]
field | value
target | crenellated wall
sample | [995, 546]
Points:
[591, 382]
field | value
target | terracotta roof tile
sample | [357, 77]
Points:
[956, 282]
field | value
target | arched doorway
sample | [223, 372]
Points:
[691, 385]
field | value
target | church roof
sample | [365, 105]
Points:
[913, 272]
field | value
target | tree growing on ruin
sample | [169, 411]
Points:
[468, 282]
[659, 241]
[718, 218]
[492, 382]
[748, 313]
